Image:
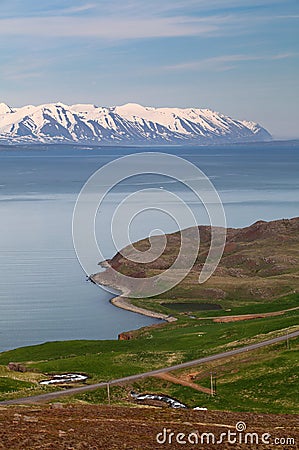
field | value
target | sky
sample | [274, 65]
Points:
[237, 57]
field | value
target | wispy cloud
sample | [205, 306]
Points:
[171, 6]
[224, 62]
[23, 75]
[78, 9]
[20, 68]
[110, 27]
[133, 19]
[291, 17]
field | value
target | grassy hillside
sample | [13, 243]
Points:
[260, 265]
[264, 381]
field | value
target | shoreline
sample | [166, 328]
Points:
[122, 301]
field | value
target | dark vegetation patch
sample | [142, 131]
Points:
[192, 306]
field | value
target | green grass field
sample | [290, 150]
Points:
[157, 347]
[229, 306]
[264, 381]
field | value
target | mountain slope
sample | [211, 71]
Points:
[127, 124]
[260, 262]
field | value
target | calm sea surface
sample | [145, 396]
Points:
[43, 292]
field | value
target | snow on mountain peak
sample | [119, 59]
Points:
[252, 126]
[127, 124]
[4, 108]
[80, 107]
[130, 110]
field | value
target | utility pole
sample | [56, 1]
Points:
[108, 392]
[213, 383]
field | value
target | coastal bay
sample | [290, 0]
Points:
[44, 295]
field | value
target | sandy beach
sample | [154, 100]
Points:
[123, 299]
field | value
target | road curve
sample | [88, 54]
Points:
[195, 362]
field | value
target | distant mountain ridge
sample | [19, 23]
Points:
[122, 125]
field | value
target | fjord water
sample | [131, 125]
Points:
[44, 294]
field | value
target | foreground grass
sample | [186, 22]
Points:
[155, 347]
[264, 381]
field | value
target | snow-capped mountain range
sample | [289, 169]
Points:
[122, 125]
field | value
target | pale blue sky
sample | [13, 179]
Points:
[225, 55]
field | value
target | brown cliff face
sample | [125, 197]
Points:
[125, 336]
